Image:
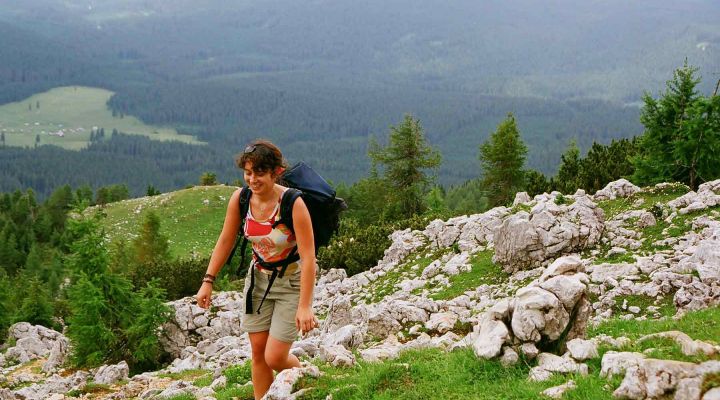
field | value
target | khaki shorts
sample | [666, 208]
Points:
[277, 313]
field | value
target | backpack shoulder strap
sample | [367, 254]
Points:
[245, 194]
[244, 200]
[286, 206]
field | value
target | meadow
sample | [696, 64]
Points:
[66, 116]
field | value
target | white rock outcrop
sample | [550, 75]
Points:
[527, 239]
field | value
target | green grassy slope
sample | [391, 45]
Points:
[74, 111]
[191, 218]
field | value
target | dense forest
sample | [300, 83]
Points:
[322, 79]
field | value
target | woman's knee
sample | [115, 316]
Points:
[258, 344]
[275, 360]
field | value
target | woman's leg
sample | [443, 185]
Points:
[277, 355]
[262, 374]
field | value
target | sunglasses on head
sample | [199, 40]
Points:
[250, 149]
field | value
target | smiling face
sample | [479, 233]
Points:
[259, 182]
[262, 163]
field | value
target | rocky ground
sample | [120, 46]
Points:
[519, 283]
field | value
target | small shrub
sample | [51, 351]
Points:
[238, 374]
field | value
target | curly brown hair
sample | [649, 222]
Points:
[263, 155]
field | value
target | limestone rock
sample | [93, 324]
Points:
[282, 386]
[688, 346]
[109, 374]
[509, 357]
[538, 313]
[616, 363]
[337, 355]
[525, 240]
[615, 189]
[520, 198]
[441, 322]
[557, 392]
[582, 350]
[493, 334]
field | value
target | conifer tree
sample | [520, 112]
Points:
[208, 179]
[151, 245]
[502, 158]
[405, 160]
[536, 183]
[36, 306]
[697, 147]
[91, 335]
[5, 306]
[467, 198]
[567, 176]
[106, 316]
[604, 164]
[663, 118]
[435, 200]
[151, 312]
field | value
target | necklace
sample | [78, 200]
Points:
[263, 208]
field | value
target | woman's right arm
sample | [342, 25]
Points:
[223, 247]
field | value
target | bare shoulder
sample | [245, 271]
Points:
[300, 207]
[234, 201]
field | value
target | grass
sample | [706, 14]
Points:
[190, 225]
[90, 388]
[238, 374]
[203, 381]
[666, 305]
[703, 325]
[667, 349]
[385, 285]
[650, 197]
[186, 375]
[483, 272]
[710, 381]
[75, 110]
[433, 374]
[184, 396]
[235, 393]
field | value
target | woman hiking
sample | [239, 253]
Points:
[272, 318]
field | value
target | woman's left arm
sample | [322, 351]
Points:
[305, 320]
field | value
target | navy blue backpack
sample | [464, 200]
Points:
[324, 207]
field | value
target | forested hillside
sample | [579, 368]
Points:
[321, 78]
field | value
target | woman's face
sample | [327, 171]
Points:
[259, 182]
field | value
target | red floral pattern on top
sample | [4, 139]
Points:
[271, 244]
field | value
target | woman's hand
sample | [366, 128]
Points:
[203, 295]
[305, 320]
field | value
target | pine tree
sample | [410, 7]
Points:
[567, 176]
[405, 160]
[92, 337]
[142, 339]
[663, 118]
[151, 191]
[697, 147]
[36, 306]
[536, 183]
[604, 164]
[467, 198]
[151, 245]
[208, 179]
[435, 200]
[503, 158]
[83, 195]
[6, 309]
